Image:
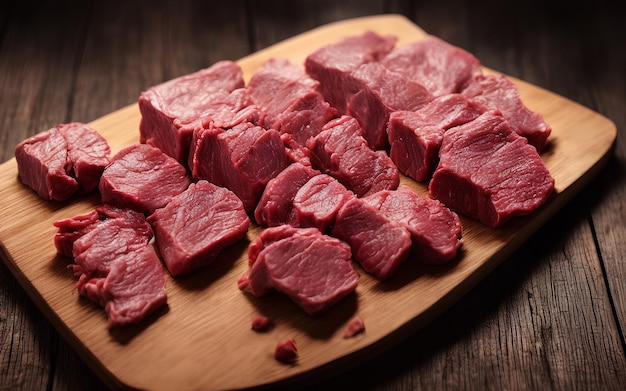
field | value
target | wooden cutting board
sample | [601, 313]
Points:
[203, 339]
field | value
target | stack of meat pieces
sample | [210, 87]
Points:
[314, 154]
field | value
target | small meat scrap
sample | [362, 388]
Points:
[260, 323]
[170, 111]
[355, 326]
[378, 244]
[489, 173]
[286, 351]
[242, 159]
[436, 231]
[116, 265]
[65, 160]
[340, 151]
[196, 225]
[143, 178]
[313, 269]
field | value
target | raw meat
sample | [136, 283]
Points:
[341, 152]
[196, 225]
[415, 136]
[355, 326]
[276, 204]
[243, 159]
[172, 110]
[499, 92]
[490, 173]
[379, 245]
[116, 266]
[441, 67]
[435, 230]
[330, 63]
[290, 101]
[286, 351]
[62, 161]
[313, 269]
[136, 172]
[260, 323]
[317, 202]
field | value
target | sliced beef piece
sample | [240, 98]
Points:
[286, 351]
[330, 63]
[317, 202]
[341, 152]
[355, 326]
[171, 110]
[116, 266]
[143, 178]
[196, 225]
[380, 93]
[276, 204]
[415, 136]
[490, 173]
[499, 92]
[243, 159]
[438, 65]
[62, 161]
[313, 269]
[379, 245]
[436, 231]
[289, 99]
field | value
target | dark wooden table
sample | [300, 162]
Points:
[552, 316]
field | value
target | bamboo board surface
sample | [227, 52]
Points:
[202, 339]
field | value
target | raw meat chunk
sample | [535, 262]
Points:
[490, 173]
[313, 269]
[415, 136]
[317, 202]
[62, 161]
[379, 245]
[286, 351]
[290, 101]
[260, 323]
[116, 266]
[196, 225]
[276, 204]
[142, 178]
[243, 159]
[435, 230]
[355, 326]
[438, 65]
[330, 63]
[172, 110]
[499, 92]
[341, 152]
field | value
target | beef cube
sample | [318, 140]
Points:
[379, 245]
[62, 161]
[330, 63]
[142, 178]
[490, 173]
[341, 152]
[276, 204]
[196, 225]
[116, 266]
[415, 136]
[435, 230]
[243, 159]
[313, 269]
[172, 110]
[441, 67]
[289, 100]
[498, 92]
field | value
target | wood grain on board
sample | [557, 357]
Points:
[203, 337]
